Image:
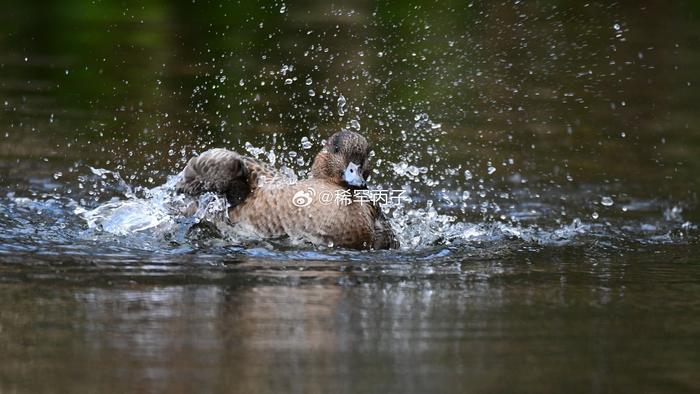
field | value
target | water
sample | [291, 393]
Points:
[549, 152]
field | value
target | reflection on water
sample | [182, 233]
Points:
[550, 151]
[543, 323]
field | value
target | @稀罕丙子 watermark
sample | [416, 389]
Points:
[304, 197]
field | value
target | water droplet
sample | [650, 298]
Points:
[312, 93]
[283, 9]
[607, 201]
[491, 170]
[288, 81]
[468, 175]
[341, 105]
[594, 215]
[309, 81]
[355, 124]
[616, 26]
[305, 143]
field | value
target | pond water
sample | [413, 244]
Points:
[550, 152]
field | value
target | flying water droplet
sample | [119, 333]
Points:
[341, 105]
[607, 201]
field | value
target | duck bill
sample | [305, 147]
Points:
[353, 176]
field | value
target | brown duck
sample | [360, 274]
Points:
[315, 210]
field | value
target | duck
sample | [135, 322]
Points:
[322, 210]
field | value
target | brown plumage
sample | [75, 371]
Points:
[262, 204]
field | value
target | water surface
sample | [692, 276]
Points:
[550, 152]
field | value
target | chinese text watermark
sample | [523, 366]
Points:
[304, 197]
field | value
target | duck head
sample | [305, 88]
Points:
[344, 160]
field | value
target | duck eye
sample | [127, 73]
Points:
[337, 149]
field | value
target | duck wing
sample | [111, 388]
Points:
[225, 172]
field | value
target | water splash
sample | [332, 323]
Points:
[158, 211]
[164, 214]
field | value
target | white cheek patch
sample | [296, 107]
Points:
[352, 175]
